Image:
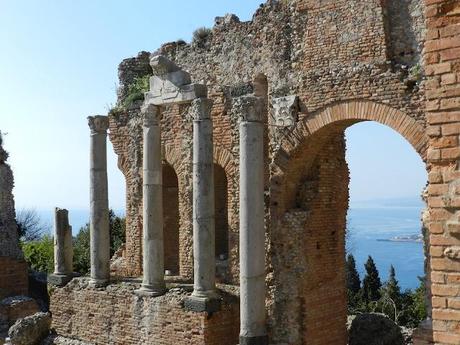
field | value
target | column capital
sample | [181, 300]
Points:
[151, 114]
[249, 108]
[98, 124]
[201, 109]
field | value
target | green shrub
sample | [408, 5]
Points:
[81, 252]
[136, 91]
[39, 254]
[201, 35]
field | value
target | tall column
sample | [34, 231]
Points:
[63, 251]
[204, 297]
[99, 201]
[153, 283]
[252, 232]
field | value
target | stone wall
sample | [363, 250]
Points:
[13, 268]
[116, 316]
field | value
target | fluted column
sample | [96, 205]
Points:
[252, 233]
[204, 297]
[153, 281]
[99, 201]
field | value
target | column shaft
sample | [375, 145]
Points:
[252, 232]
[61, 225]
[153, 280]
[99, 204]
[203, 202]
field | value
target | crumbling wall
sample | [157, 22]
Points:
[13, 268]
[81, 312]
[405, 27]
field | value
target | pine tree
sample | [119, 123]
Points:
[353, 284]
[353, 281]
[371, 282]
[391, 297]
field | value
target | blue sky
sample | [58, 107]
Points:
[58, 64]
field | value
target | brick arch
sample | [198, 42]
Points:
[225, 159]
[353, 112]
[173, 157]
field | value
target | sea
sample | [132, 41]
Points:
[371, 225]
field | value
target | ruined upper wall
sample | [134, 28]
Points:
[9, 245]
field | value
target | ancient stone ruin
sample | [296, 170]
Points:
[237, 184]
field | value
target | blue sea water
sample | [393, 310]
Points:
[366, 225]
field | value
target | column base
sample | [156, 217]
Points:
[259, 340]
[59, 279]
[98, 283]
[150, 291]
[209, 304]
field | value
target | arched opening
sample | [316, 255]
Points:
[171, 219]
[309, 202]
[221, 212]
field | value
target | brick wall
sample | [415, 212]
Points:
[171, 219]
[442, 66]
[13, 277]
[116, 316]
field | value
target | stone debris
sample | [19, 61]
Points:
[30, 330]
[373, 329]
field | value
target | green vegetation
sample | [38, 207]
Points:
[200, 36]
[136, 91]
[406, 308]
[39, 253]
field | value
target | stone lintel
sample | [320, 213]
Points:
[201, 109]
[98, 124]
[259, 340]
[249, 108]
[59, 279]
[163, 92]
[202, 304]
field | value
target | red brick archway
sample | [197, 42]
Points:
[309, 202]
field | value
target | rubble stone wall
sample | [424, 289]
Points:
[13, 268]
[116, 316]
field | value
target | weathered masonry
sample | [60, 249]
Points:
[235, 172]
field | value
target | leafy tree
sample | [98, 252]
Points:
[30, 226]
[82, 258]
[40, 254]
[81, 251]
[371, 282]
[117, 231]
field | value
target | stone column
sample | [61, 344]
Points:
[252, 232]
[153, 283]
[63, 252]
[204, 297]
[99, 203]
